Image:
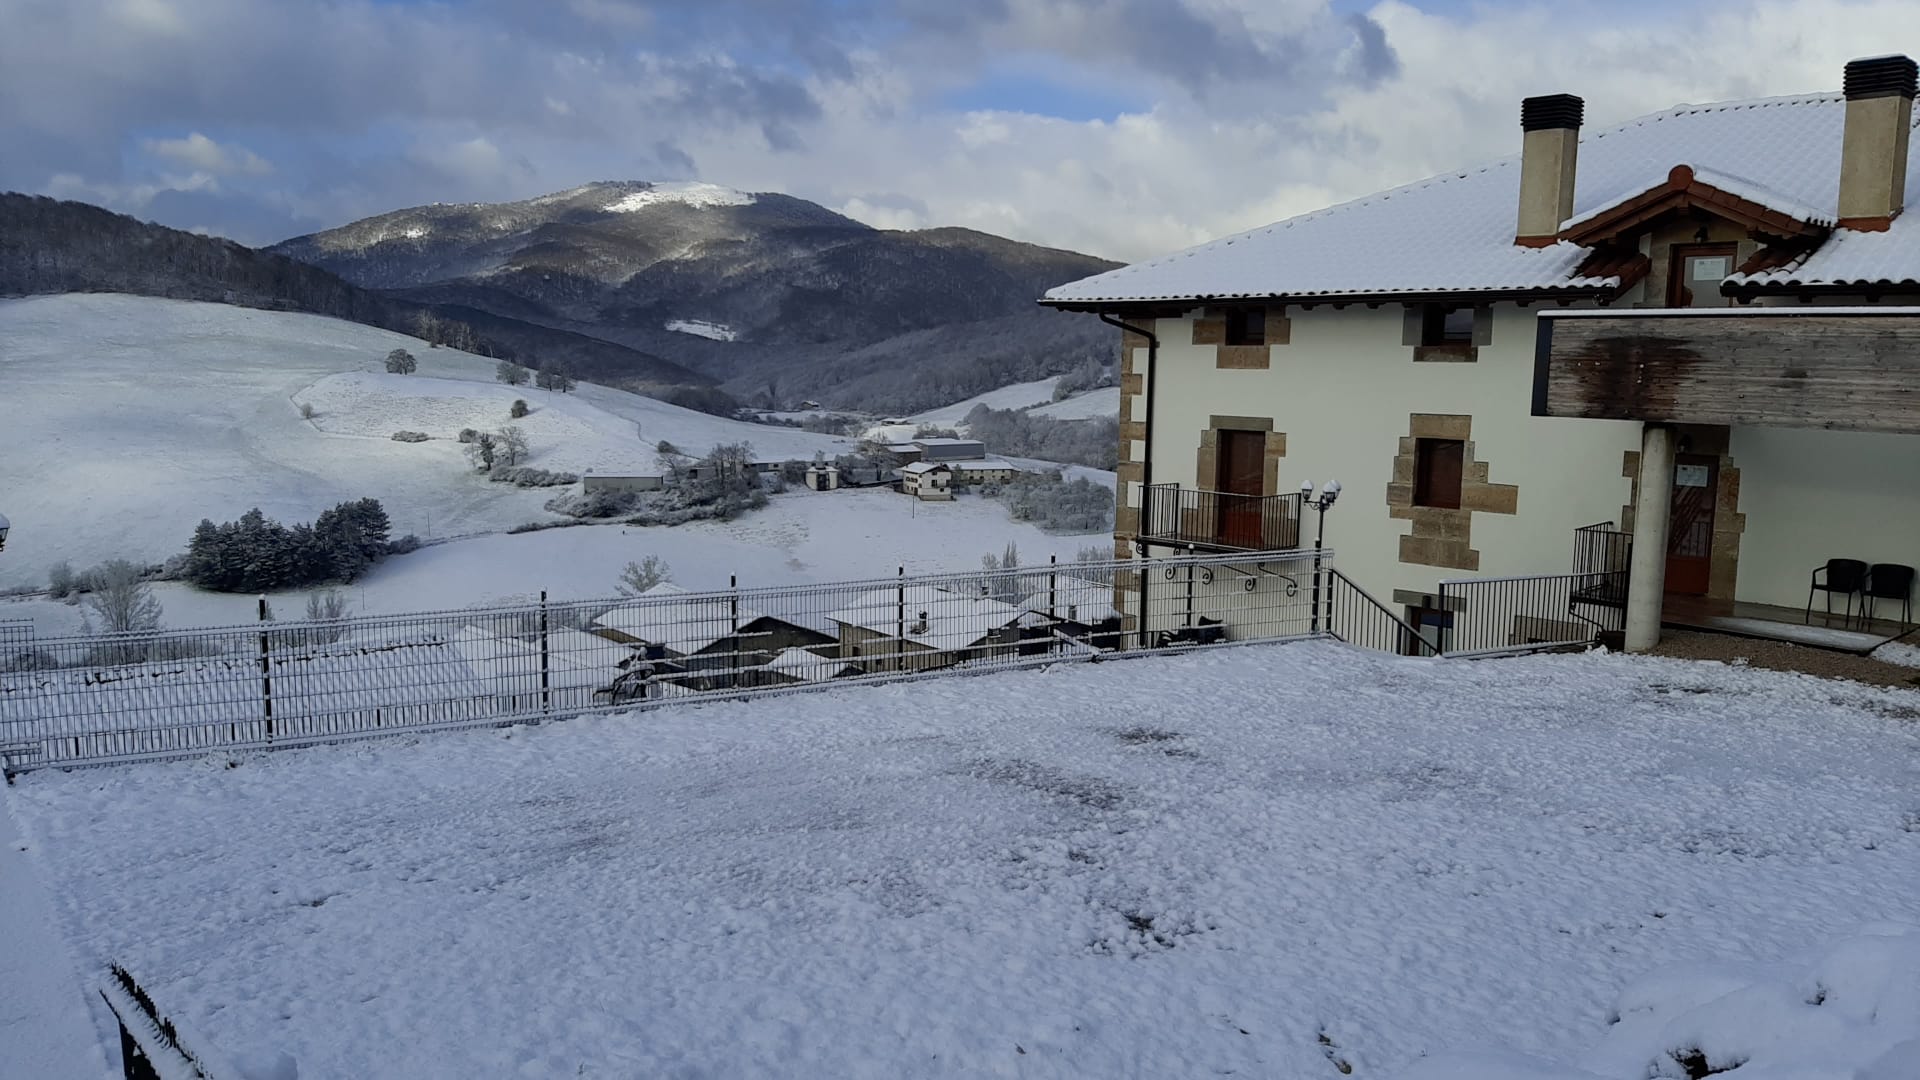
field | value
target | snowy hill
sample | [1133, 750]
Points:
[130, 419]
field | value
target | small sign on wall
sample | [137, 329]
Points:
[1693, 476]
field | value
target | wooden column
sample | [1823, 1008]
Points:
[1652, 511]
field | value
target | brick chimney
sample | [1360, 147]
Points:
[1873, 150]
[1549, 149]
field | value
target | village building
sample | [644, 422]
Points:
[1072, 608]
[926, 480]
[708, 637]
[939, 449]
[823, 477]
[798, 666]
[1681, 336]
[982, 471]
[923, 627]
[621, 483]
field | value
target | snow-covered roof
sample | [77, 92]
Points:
[574, 658]
[980, 463]
[928, 615]
[798, 663]
[684, 625]
[945, 441]
[1079, 599]
[1455, 232]
[919, 467]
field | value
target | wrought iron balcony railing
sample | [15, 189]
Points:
[1219, 520]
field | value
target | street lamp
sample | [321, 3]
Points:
[1321, 503]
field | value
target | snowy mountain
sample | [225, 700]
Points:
[137, 417]
[52, 246]
[814, 303]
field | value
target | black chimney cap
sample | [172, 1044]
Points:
[1880, 76]
[1552, 111]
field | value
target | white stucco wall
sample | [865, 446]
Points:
[1810, 496]
[1343, 391]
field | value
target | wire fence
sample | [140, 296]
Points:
[172, 693]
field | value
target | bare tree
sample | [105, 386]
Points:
[401, 362]
[640, 576]
[510, 445]
[508, 372]
[119, 600]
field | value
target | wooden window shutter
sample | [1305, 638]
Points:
[1483, 324]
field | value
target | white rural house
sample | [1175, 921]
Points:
[928, 481]
[1684, 331]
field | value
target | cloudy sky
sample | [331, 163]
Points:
[1120, 127]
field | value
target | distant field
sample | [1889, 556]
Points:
[130, 419]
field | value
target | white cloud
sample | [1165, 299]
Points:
[377, 106]
[196, 151]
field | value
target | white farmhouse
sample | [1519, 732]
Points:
[927, 481]
[1684, 330]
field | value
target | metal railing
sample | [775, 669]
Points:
[1492, 615]
[1602, 549]
[174, 693]
[1355, 617]
[1219, 520]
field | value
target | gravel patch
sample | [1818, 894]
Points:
[1780, 656]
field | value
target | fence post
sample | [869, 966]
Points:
[1140, 576]
[733, 622]
[266, 668]
[900, 619]
[546, 699]
[1053, 585]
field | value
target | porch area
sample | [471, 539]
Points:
[1776, 457]
[1772, 622]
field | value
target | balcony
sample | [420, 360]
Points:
[1219, 520]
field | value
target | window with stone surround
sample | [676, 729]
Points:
[1246, 326]
[1447, 332]
[1437, 469]
[1441, 325]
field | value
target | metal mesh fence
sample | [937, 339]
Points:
[170, 693]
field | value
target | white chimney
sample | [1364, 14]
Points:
[1873, 150]
[1549, 150]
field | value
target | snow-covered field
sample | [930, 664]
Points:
[1086, 406]
[130, 419]
[800, 537]
[1295, 861]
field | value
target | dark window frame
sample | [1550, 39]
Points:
[1246, 326]
[1430, 482]
[1447, 325]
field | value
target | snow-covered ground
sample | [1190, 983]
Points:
[800, 537]
[130, 419]
[47, 1025]
[1293, 861]
[1085, 406]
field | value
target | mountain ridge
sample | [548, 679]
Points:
[50, 246]
[796, 294]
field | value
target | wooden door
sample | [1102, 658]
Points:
[1242, 476]
[1690, 533]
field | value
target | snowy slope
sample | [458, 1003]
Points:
[1086, 406]
[1016, 396]
[847, 535]
[1295, 861]
[130, 419]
